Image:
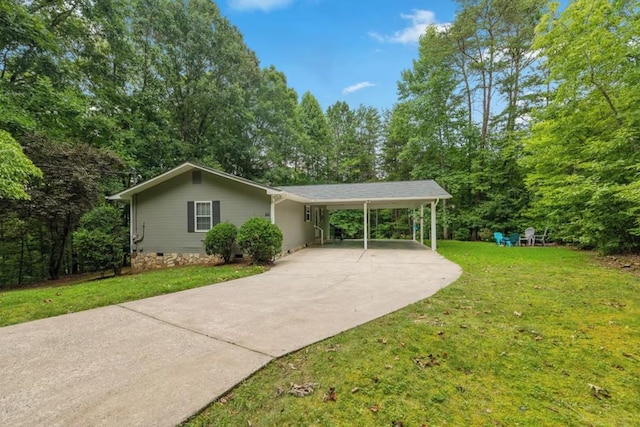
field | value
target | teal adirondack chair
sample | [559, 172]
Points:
[500, 239]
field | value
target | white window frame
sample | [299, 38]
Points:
[307, 213]
[196, 216]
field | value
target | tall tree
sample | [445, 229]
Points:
[277, 128]
[75, 176]
[316, 145]
[583, 153]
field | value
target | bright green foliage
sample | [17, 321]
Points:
[100, 240]
[15, 169]
[278, 129]
[220, 240]
[261, 239]
[452, 124]
[355, 139]
[583, 153]
[315, 147]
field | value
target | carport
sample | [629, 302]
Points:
[374, 195]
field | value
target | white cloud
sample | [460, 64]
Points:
[356, 87]
[263, 5]
[420, 20]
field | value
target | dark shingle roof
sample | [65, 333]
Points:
[370, 191]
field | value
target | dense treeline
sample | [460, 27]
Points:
[527, 116]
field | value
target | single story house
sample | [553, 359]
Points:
[170, 214]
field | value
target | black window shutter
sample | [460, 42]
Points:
[191, 226]
[215, 212]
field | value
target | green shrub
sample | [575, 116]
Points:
[462, 234]
[485, 235]
[220, 240]
[97, 250]
[100, 240]
[260, 239]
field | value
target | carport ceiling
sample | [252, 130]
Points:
[377, 195]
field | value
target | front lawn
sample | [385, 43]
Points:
[527, 336]
[30, 304]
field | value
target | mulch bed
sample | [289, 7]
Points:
[629, 262]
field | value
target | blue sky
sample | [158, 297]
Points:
[339, 50]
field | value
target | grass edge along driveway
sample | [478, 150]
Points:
[17, 306]
[527, 336]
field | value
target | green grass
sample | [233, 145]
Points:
[30, 304]
[515, 341]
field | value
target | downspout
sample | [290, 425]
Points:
[275, 199]
[131, 224]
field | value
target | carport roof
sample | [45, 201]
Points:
[372, 191]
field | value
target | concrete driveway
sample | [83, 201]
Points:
[159, 360]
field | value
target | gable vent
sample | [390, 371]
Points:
[196, 177]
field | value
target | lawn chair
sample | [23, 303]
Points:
[515, 239]
[529, 237]
[541, 237]
[501, 240]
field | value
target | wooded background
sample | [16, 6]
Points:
[527, 115]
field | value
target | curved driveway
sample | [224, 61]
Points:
[159, 360]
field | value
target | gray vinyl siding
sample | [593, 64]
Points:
[290, 219]
[163, 209]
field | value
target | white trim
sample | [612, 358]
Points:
[272, 211]
[365, 227]
[369, 200]
[422, 224]
[195, 216]
[433, 225]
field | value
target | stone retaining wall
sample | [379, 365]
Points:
[142, 261]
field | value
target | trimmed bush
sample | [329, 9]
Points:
[220, 240]
[260, 239]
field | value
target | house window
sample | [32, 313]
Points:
[307, 213]
[203, 214]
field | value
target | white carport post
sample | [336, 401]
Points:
[413, 224]
[422, 224]
[273, 210]
[365, 225]
[433, 225]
